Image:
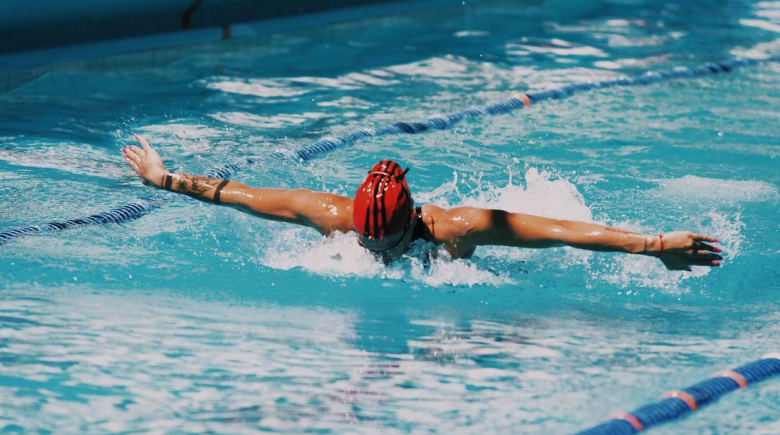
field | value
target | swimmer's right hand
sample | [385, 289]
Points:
[680, 250]
[145, 162]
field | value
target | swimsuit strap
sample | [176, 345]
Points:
[419, 225]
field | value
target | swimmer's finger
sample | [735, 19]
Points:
[133, 165]
[143, 142]
[137, 151]
[137, 170]
[703, 262]
[705, 238]
[708, 247]
[132, 152]
[707, 255]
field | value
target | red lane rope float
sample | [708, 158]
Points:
[682, 395]
[524, 98]
[675, 404]
[734, 376]
[629, 418]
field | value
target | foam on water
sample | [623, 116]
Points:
[716, 191]
[262, 88]
[712, 206]
[81, 159]
[340, 256]
[266, 122]
[285, 88]
[631, 271]
[544, 194]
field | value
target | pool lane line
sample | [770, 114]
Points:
[516, 102]
[124, 213]
[675, 404]
[141, 206]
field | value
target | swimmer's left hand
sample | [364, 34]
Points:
[682, 249]
[145, 162]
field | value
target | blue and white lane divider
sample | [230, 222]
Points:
[675, 404]
[124, 213]
[141, 207]
[521, 100]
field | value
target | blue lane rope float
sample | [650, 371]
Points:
[123, 213]
[675, 404]
[141, 207]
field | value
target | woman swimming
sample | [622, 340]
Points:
[385, 220]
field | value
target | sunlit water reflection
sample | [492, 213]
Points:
[198, 319]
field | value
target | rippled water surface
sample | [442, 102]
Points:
[197, 319]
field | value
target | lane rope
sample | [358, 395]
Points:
[675, 404]
[141, 206]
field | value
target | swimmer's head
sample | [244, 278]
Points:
[383, 211]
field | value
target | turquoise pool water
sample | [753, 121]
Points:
[197, 319]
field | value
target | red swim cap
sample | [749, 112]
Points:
[382, 205]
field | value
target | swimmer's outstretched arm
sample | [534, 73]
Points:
[497, 227]
[325, 212]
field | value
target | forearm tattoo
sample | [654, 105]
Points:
[192, 185]
[618, 230]
[630, 233]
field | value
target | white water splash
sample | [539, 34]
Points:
[712, 190]
[340, 256]
[715, 195]
[267, 122]
[636, 271]
[722, 218]
[544, 194]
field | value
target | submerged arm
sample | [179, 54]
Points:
[677, 250]
[325, 212]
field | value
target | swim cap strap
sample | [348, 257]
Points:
[397, 177]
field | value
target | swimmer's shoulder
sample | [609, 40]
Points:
[326, 212]
[446, 226]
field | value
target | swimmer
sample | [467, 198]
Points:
[386, 222]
